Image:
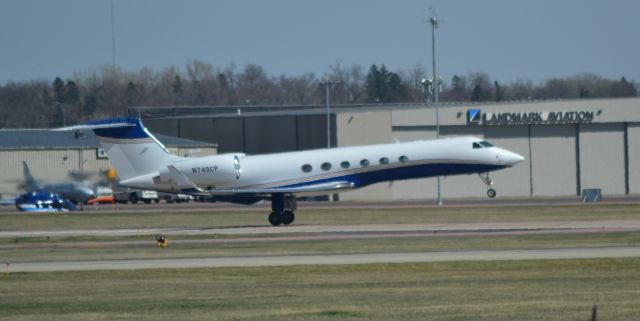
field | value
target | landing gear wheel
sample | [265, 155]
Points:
[275, 218]
[288, 217]
[133, 198]
[491, 193]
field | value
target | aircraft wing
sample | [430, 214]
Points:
[320, 188]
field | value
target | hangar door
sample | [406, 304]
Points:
[602, 157]
[553, 160]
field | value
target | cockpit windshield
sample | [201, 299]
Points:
[482, 144]
[486, 143]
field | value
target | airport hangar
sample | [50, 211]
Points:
[569, 145]
[51, 155]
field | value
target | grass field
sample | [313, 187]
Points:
[518, 290]
[66, 249]
[342, 216]
[499, 290]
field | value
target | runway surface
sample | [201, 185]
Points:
[328, 259]
[266, 206]
[550, 227]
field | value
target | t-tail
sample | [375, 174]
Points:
[132, 150]
[29, 183]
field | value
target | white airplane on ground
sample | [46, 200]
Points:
[142, 162]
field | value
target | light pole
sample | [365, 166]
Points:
[435, 21]
[327, 84]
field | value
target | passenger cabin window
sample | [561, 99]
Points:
[364, 162]
[403, 159]
[476, 146]
[384, 160]
[486, 144]
[325, 166]
[306, 168]
[345, 164]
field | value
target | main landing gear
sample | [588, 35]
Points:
[282, 209]
[487, 181]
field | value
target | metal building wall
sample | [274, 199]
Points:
[553, 160]
[265, 135]
[363, 128]
[169, 127]
[53, 166]
[602, 157]
[46, 165]
[633, 143]
[252, 135]
[513, 181]
[312, 131]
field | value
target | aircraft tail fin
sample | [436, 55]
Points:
[131, 149]
[29, 181]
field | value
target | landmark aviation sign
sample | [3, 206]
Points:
[475, 116]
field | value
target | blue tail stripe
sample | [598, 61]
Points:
[125, 132]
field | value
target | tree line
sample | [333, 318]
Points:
[109, 91]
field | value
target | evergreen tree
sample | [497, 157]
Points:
[177, 85]
[58, 90]
[72, 93]
[477, 94]
[499, 91]
[623, 88]
[385, 86]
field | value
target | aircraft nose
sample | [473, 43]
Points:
[510, 158]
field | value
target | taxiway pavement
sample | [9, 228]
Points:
[328, 259]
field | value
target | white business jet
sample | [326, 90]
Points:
[141, 161]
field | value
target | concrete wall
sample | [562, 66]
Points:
[602, 157]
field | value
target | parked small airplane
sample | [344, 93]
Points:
[142, 162]
[41, 201]
[73, 191]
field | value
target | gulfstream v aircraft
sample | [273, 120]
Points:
[143, 162]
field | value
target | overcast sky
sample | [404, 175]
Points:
[508, 39]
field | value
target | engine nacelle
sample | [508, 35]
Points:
[205, 172]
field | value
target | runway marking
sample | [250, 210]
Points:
[329, 259]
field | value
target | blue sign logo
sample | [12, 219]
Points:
[473, 116]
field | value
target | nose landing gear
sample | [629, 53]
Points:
[488, 182]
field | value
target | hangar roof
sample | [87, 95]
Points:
[21, 139]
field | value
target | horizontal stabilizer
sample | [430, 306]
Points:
[182, 180]
[89, 126]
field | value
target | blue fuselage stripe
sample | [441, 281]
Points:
[407, 172]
